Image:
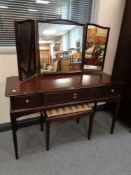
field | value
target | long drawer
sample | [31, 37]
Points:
[71, 96]
[37, 100]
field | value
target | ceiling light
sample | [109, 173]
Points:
[3, 7]
[45, 42]
[49, 32]
[32, 10]
[42, 2]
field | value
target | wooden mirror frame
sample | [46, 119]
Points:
[59, 21]
[84, 41]
[26, 33]
[25, 46]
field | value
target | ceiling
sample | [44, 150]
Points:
[60, 29]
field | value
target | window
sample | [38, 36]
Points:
[10, 10]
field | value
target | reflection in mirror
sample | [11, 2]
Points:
[60, 47]
[95, 47]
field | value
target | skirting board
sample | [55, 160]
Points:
[20, 124]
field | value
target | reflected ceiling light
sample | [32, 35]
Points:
[42, 2]
[86, 79]
[62, 33]
[44, 42]
[32, 10]
[3, 7]
[49, 32]
[63, 81]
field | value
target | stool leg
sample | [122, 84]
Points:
[91, 119]
[78, 120]
[47, 134]
[41, 121]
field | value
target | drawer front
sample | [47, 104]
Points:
[29, 101]
[71, 96]
[111, 91]
[88, 94]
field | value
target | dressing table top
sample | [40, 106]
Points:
[52, 83]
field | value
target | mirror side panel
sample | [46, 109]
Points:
[25, 46]
[96, 40]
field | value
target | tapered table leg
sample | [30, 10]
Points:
[41, 121]
[14, 129]
[78, 120]
[114, 116]
[47, 134]
[91, 119]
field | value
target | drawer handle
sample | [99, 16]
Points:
[27, 101]
[112, 90]
[75, 95]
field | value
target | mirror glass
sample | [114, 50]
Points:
[60, 47]
[95, 47]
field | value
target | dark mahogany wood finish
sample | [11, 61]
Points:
[27, 45]
[26, 48]
[39, 93]
[46, 92]
[122, 64]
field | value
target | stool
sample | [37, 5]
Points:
[68, 113]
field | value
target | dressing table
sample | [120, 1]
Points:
[32, 92]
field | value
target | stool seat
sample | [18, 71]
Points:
[68, 110]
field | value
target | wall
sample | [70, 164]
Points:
[75, 35]
[107, 13]
[65, 42]
[8, 67]
[70, 38]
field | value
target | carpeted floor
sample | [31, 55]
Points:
[70, 152]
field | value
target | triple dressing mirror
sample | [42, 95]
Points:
[59, 46]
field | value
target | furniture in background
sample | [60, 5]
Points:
[64, 64]
[45, 56]
[67, 65]
[89, 53]
[77, 57]
[50, 67]
[75, 66]
[122, 64]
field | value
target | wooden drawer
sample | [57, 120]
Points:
[28, 101]
[71, 96]
[111, 91]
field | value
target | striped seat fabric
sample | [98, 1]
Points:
[68, 110]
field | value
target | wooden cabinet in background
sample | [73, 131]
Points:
[45, 56]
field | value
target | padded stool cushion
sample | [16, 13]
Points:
[68, 110]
